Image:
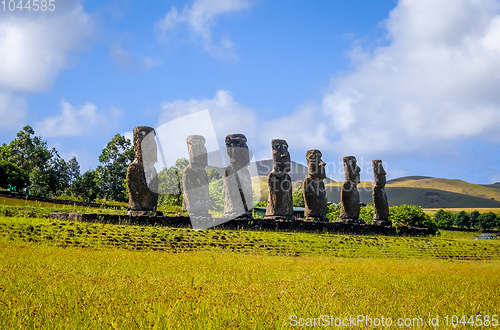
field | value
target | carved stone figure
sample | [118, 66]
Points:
[280, 201]
[313, 187]
[349, 195]
[380, 204]
[195, 179]
[237, 181]
[142, 179]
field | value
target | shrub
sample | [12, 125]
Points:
[410, 215]
[487, 220]
[366, 213]
[462, 220]
[444, 219]
[333, 212]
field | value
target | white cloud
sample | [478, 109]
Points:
[199, 19]
[34, 46]
[436, 82]
[125, 62]
[12, 111]
[74, 122]
[302, 129]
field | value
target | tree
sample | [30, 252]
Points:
[411, 215]
[170, 183]
[112, 172]
[73, 170]
[217, 200]
[26, 151]
[298, 198]
[12, 176]
[462, 220]
[474, 219]
[85, 186]
[444, 219]
[487, 220]
[213, 174]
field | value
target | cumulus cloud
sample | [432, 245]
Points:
[199, 19]
[12, 110]
[436, 82]
[301, 128]
[34, 46]
[74, 122]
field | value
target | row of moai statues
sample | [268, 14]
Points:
[142, 182]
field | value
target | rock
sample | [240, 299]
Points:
[313, 187]
[349, 195]
[195, 179]
[142, 179]
[280, 201]
[380, 204]
[238, 192]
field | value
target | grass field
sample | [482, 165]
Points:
[71, 275]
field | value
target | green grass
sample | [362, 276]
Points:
[47, 287]
[29, 208]
[33, 231]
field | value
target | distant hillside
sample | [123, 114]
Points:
[495, 185]
[262, 168]
[298, 171]
[456, 186]
[409, 178]
[428, 198]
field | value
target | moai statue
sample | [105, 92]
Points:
[195, 179]
[280, 201]
[237, 181]
[313, 187]
[380, 204]
[349, 195]
[142, 179]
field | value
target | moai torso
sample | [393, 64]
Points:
[280, 200]
[380, 203]
[238, 193]
[142, 179]
[349, 195]
[313, 187]
[195, 180]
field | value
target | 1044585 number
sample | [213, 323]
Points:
[35, 5]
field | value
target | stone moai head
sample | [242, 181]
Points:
[315, 164]
[197, 151]
[351, 169]
[379, 173]
[237, 150]
[145, 144]
[281, 156]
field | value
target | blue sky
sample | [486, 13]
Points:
[412, 82]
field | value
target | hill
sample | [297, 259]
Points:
[456, 186]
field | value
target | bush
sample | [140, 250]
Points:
[366, 213]
[487, 220]
[333, 212]
[444, 219]
[410, 215]
[462, 220]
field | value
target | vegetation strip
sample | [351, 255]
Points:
[60, 233]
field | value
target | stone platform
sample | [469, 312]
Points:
[248, 224]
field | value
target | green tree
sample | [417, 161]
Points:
[298, 198]
[170, 183]
[411, 215]
[333, 212]
[216, 196]
[462, 220]
[112, 172]
[12, 176]
[487, 220]
[213, 174]
[474, 219]
[26, 150]
[366, 213]
[86, 186]
[444, 219]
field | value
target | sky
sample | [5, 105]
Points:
[415, 83]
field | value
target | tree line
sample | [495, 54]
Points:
[28, 165]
